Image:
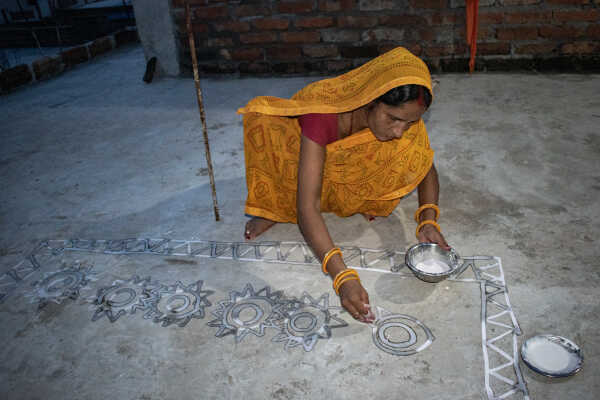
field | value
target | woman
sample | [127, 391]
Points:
[351, 144]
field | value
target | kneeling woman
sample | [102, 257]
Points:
[351, 144]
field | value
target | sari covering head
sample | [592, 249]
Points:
[361, 174]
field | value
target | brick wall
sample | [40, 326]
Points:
[322, 36]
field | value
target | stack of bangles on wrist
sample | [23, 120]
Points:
[343, 276]
[427, 221]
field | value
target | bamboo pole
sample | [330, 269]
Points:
[188, 19]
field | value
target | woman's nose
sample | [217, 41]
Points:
[401, 128]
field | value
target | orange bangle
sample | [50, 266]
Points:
[427, 222]
[346, 279]
[342, 274]
[328, 255]
[343, 277]
[425, 207]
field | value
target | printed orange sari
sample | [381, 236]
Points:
[361, 174]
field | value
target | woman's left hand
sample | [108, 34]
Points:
[429, 234]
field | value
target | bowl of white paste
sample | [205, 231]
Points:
[431, 263]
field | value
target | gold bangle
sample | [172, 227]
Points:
[425, 207]
[328, 255]
[427, 222]
[340, 275]
[346, 279]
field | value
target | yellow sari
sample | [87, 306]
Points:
[361, 174]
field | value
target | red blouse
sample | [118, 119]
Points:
[320, 128]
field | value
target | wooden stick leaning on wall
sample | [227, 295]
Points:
[188, 19]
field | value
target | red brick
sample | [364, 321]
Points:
[402, 20]
[388, 47]
[339, 5]
[527, 17]
[285, 53]
[219, 42]
[217, 68]
[320, 51]
[181, 3]
[447, 19]
[383, 34]
[339, 65]
[314, 22]
[376, 5]
[248, 54]
[491, 18]
[414, 48]
[425, 35]
[74, 56]
[296, 7]
[271, 23]
[359, 51]
[567, 1]
[254, 68]
[262, 37]
[100, 46]
[428, 3]
[47, 67]
[580, 48]
[196, 28]
[521, 33]
[560, 32]
[493, 48]
[233, 26]
[448, 50]
[210, 12]
[486, 33]
[301, 37]
[357, 22]
[519, 2]
[443, 34]
[593, 31]
[536, 48]
[577, 16]
[251, 10]
[339, 35]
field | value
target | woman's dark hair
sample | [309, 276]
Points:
[404, 93]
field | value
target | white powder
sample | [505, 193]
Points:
[432, 266]
[549, 356]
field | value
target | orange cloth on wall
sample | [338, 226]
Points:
[361, 173]
[472, 22]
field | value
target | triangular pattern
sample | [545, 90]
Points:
[500, 328]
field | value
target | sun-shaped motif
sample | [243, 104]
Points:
[308, 320]
[178, 304]
[125, 297]
[60, 285]
[248, 312]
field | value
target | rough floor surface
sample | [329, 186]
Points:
[96, 153]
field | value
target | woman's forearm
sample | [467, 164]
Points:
[315, 232]
[429, 191]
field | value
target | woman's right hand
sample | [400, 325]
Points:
[355, 300]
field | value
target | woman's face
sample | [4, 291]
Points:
[390, 122]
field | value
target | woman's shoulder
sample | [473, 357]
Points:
[320, 128]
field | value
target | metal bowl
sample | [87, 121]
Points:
[430, 263]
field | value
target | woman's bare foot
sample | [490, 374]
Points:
[256, 226]
[368, 217]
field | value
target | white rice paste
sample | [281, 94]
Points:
[548, 356]
[432, 266]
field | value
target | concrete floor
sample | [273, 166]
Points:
[96, 153]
